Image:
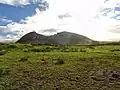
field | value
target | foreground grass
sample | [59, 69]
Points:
[30, 67]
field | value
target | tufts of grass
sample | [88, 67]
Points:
[4, 71]
[59, 61]
[41, 49]
[35, 50]
[3, 52]
[90, 47]
[28, 45]
[82, 50]
[74, 50]
[25, 50]
[113, 50]
[12, 46]
[23, 59]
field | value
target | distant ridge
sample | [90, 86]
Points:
[59, 38]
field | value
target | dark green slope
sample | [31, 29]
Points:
[59, 38]
[70, 38]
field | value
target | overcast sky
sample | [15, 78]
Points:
[96, 19]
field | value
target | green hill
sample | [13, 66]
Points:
[59, 38]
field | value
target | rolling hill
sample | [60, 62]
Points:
[59, 38]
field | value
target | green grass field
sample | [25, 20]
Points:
[35, 67]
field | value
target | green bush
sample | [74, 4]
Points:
[113, 50]
[3, 52]
[59, 62]
[4, 71]
[65, 50]
[12, 46]
[28, 45]
[25, 50]
[74, 50]
[41, 50]
[70, 50]
[82, 50]
[90, 47]
[35, 50]
[23, 59]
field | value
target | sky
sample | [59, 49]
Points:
[96, 19]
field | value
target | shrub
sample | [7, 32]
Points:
[4, 71]
[90, 47]
[113, 50]
[43, 59]
[41, 49]
[65, 50]
[12, 46]
[35, 50]
[70, 50]
[28, 45]
[23, 59]
[59, 62]
[82, 50]
[25, 50]
[3, 52]
[74, 50]
[47, 49]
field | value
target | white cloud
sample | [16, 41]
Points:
[2, 39]
[15, 2]
[82, 20]
[2, 28]
[19, 2]
[5, 39]
[5, 20]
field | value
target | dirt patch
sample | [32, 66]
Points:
[106, 76]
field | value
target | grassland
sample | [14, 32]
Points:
[42, 67]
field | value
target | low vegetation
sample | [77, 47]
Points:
[59, 67]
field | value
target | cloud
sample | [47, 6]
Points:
[39, 22]
[66, 15]
[50, 30]
[5, 20]
[11, 31]
[49, 19]
[78, 16]
[106, 1]
[10, 13]
[114, 27]
[4, 33]
[15, 2]
[2, 28]
[3, 39]
[21, 2]
[110, 9]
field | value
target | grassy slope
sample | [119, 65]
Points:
[27, 67]
[62, 38]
